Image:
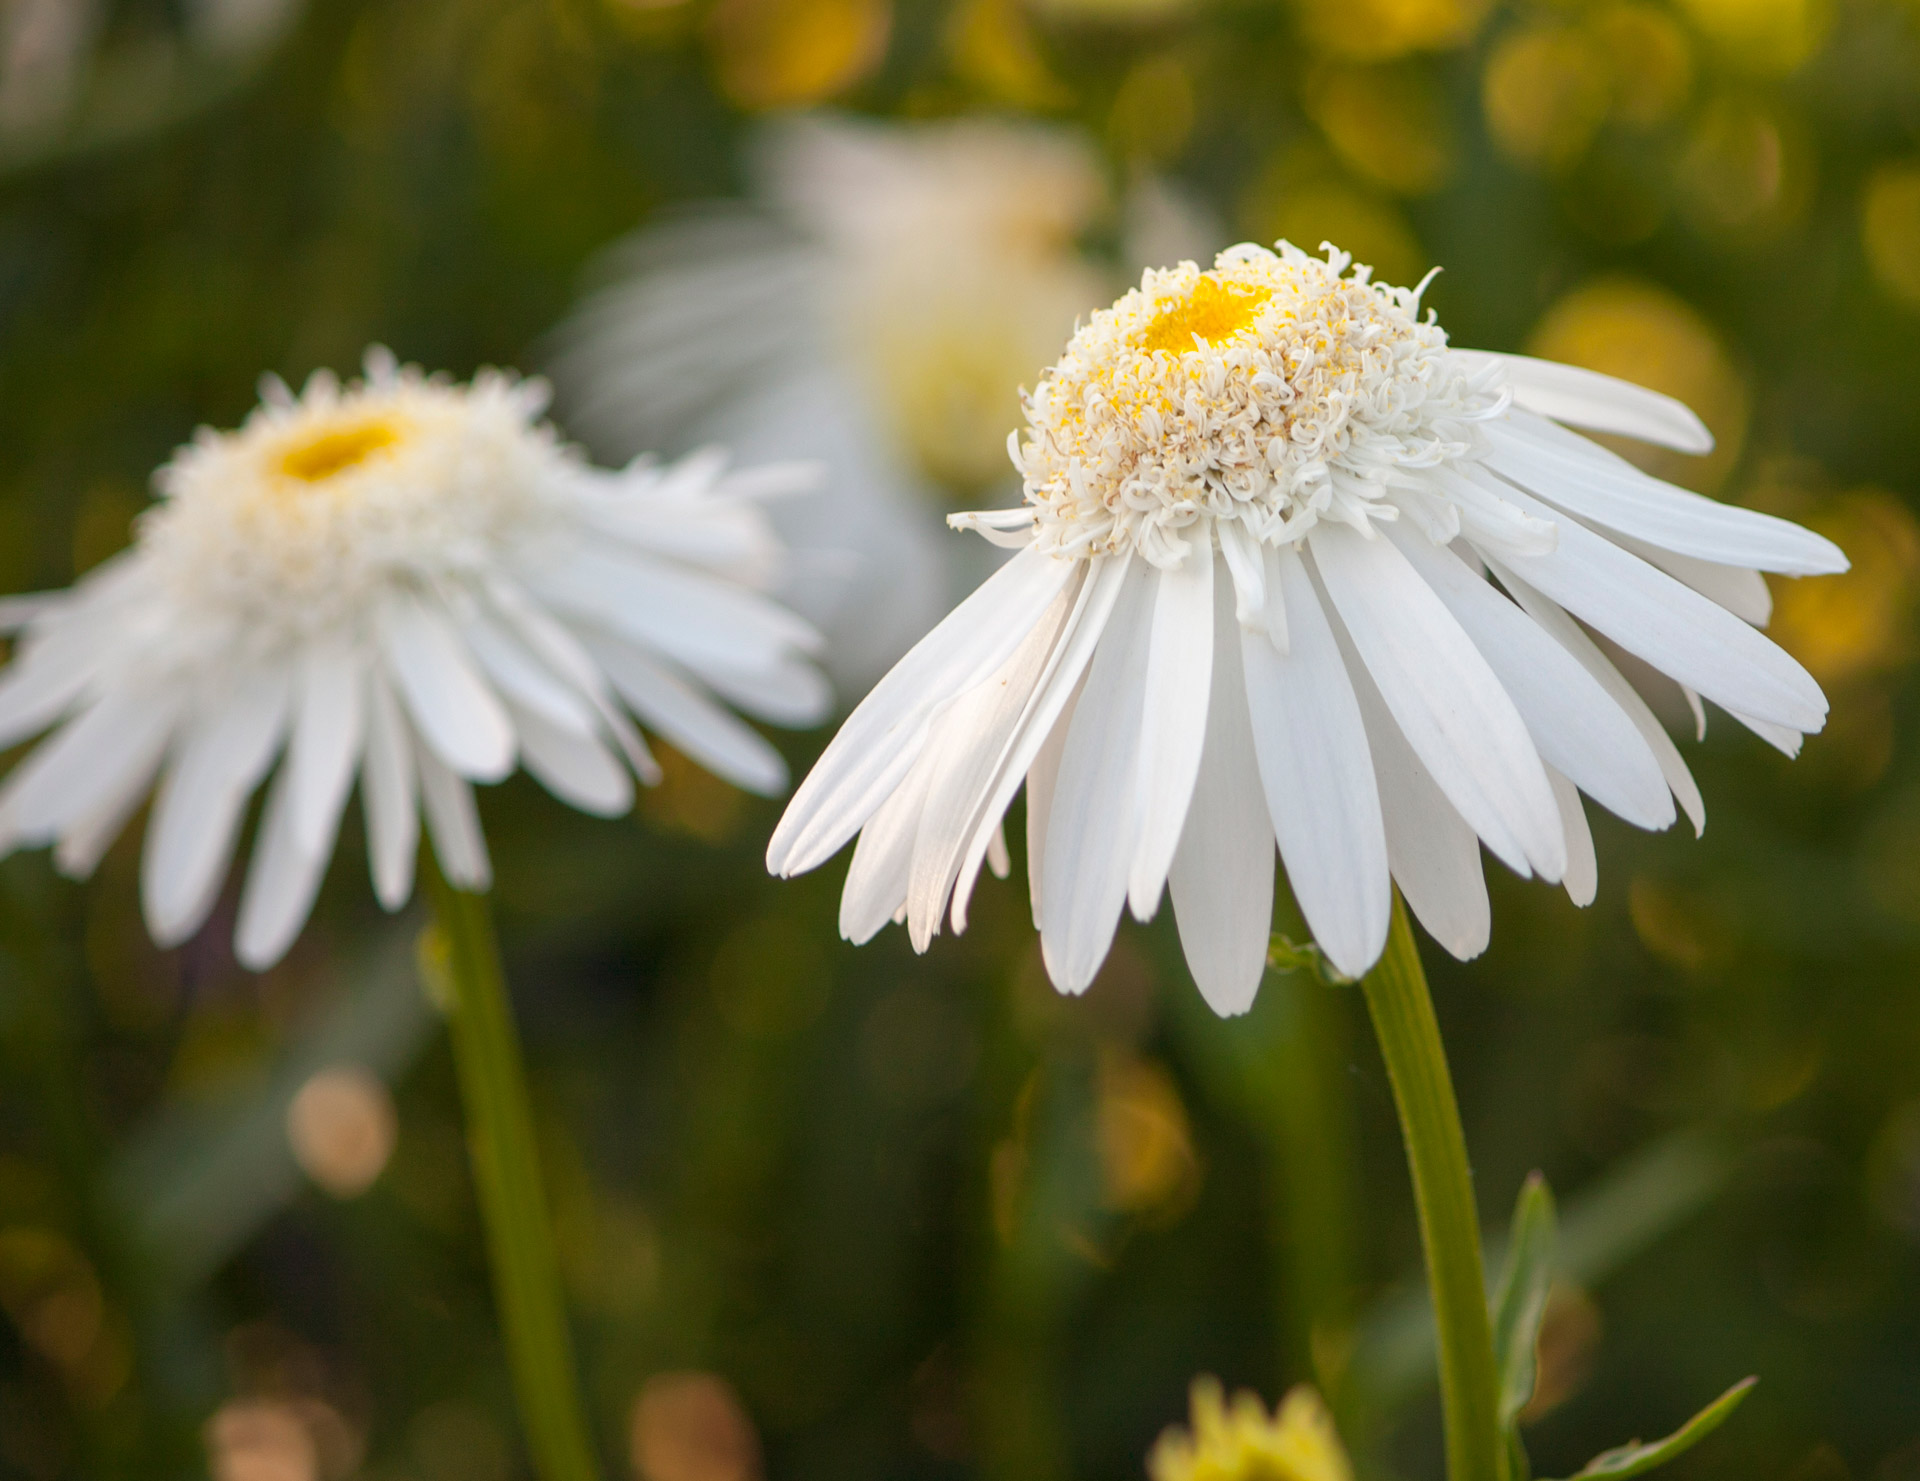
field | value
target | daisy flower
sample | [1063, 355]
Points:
[872, 305]
[1293, 570]
[1238, 1440]
[406, 579]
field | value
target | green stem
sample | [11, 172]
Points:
[1409, 1036]
[506, 1168]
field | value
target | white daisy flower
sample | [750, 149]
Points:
[873, 305]
[410, 580]
[1293, 570]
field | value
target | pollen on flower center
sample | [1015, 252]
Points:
[1272, 390]
[1213, 310]
[318, 457]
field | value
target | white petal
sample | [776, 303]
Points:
[219, 762]
[790, 692]
[1586, 398]
[1096, 806]
[1571, 636]
[667, 703]
[451, 706]
[1607, 490]
[1042, 774]
[1574, 723]
[329, 724]
[876, 884]
[1448, 703]
[283, 876]
[1583, 869]
[1057, 691]
[999, 860]
[1179, 670]
[1316, 776]
[1674, 628]
[687, 615]
[98, 762]
[1741, 591]
[578, 769]
[387, 790]
[36, 690]
[453, 823]
[883, 735]
[968, 745]
[1780, 737]
[1434, 855]
[1221, 879]
[523, 680]
[1244, 560]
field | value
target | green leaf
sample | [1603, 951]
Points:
[1521, 1298]
[1633, 1458]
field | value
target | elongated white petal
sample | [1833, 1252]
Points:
[691, 617]
[1221, 878]
[1316, 775]
[523, 680]
[451, 706]
[36, 690]
[1583, 868]
[1586, 398]
[1056, 693]
[1694, 641]
[876, 886]
[101, 758]
[578, 769]
[283, 876]
[329, 725]
[387, 788]
[1571, 636]
[1434, 855]
[1573, 721]
[1042, 774]
[724, 744]
[789, 692]
[1741, 591]
[1613, 493]
[1449, 705]
[453, 823]
[1179, 671]
[1096, 807]
[219, 762]
[883, 735]
[1782, 738]
[968, 745]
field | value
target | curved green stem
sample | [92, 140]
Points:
[506, 1170]
[1402, 1012]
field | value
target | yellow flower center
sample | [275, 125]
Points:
[1213, 310]
[320, 455]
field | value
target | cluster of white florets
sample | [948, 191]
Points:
[297, 521]
[1274, 390]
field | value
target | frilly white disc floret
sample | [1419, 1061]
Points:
[1271, 391]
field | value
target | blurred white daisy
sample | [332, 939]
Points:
[408, 579]
[875, 307]
[1293, 569]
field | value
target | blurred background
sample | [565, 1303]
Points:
[834, 1214]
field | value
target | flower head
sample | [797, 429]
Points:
[1239, 1441]
[1293, 570]
[408, 579]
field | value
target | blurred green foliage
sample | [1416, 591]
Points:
[917, 1217]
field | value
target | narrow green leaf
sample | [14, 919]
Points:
[1521, 1298]
[1633, 1458]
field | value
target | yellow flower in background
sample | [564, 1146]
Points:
[1389, 123]
[1374, 30]
[1238, 1440]
[1770, 36]
[1545, 94]
[1890, 228]
[1862, 622]
[789, 53]
[1639, 332]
